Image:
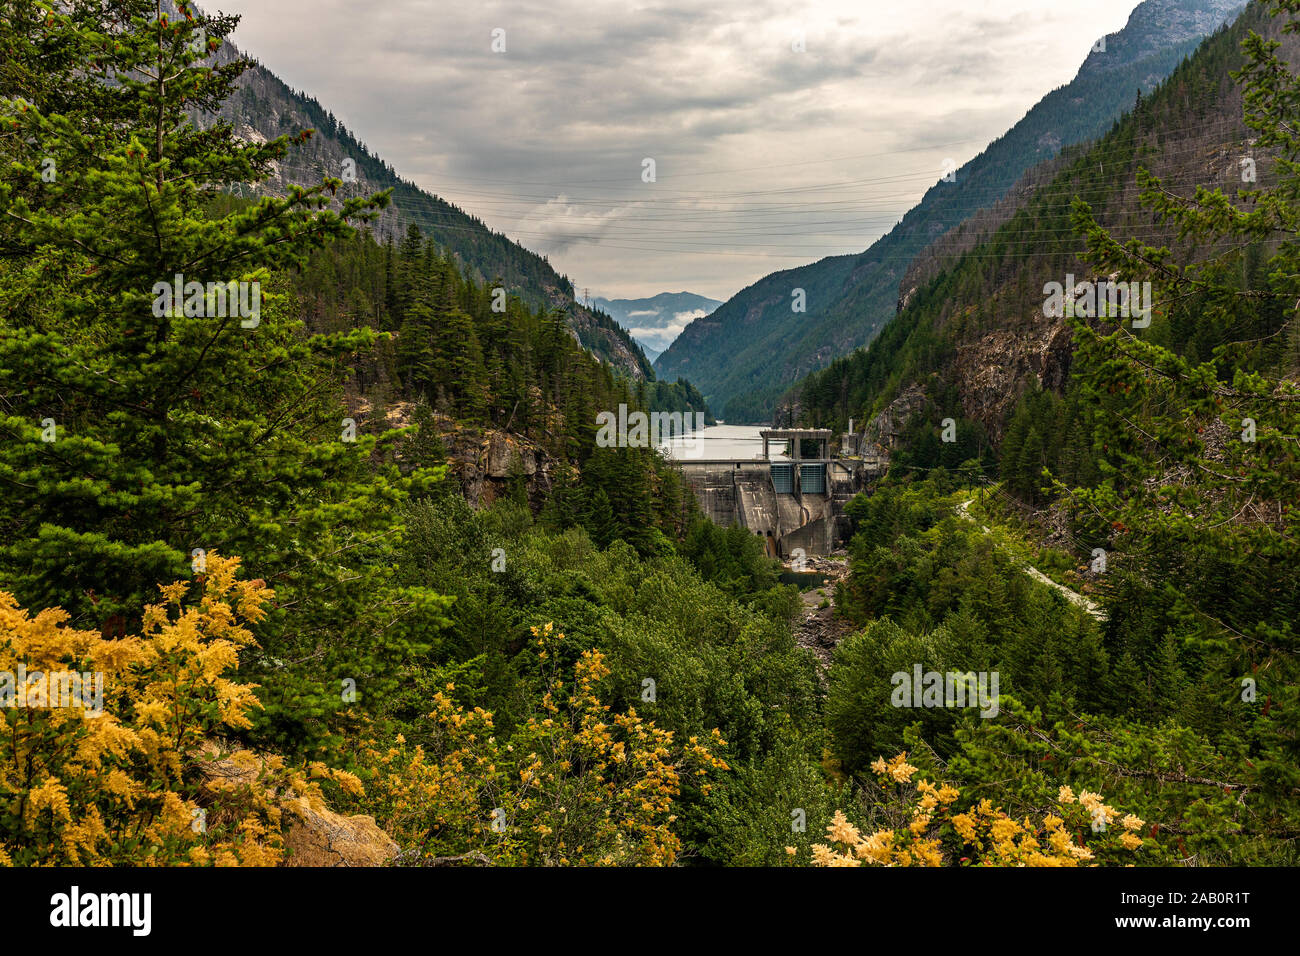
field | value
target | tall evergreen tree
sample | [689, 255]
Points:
[143, 430]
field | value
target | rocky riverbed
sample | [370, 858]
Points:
[819, 628]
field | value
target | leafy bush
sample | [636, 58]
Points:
[145, 782]
[573, 784]
[926, 831]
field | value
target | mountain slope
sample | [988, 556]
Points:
[973, 336]
[749, 351]
[264, 107]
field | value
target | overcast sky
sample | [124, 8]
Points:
[781, 132]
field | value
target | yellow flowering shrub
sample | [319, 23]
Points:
[574, 784]
[144, 782]
[926, 830]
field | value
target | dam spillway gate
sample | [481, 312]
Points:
[791, 502]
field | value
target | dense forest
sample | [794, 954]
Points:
[467, 349]
[247, 524]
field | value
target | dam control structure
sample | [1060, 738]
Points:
[792, 502]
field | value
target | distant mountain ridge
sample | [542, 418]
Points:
[752, 349]
[657, 320]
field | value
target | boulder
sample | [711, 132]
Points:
[321, 837]
[314, 835]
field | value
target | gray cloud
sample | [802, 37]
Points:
[659, 337]
[766, 157]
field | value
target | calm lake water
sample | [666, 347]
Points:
[738, 442]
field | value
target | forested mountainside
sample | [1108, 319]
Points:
[326, 592]
[752, 349]
[386, 325]
[974, 328]
[507, 394]
[263, 107]
[470, 353]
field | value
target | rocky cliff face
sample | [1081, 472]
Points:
[993, 371]
[1153, 25]
[607, 340]
[487, 463]
[882, 433]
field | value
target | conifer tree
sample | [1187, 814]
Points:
[598, 518]
[1029, 465]
[456, 357]
[141, 429]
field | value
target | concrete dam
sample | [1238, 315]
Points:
[792, 502]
